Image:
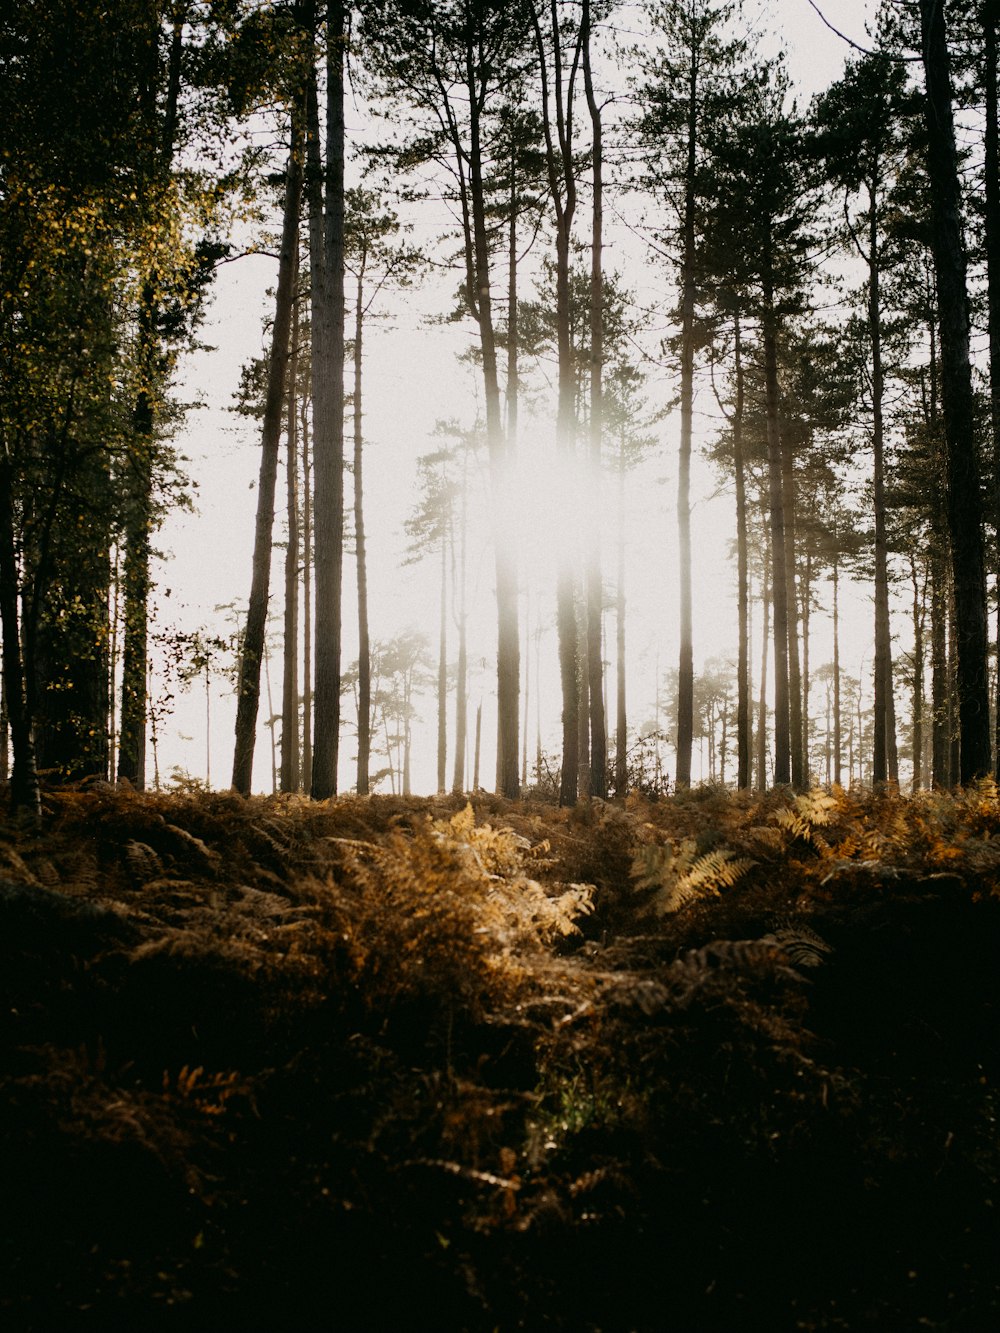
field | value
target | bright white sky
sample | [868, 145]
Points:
[413, 379]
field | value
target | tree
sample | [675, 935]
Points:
[454, 62]
[965, 509]
[431, 527]
[378, 260]
[864, 133]
[762, 206]
[89, 107]
[325, 202]
[248, 689]
[689, 87]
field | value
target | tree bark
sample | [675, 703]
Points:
[779, 585]
[562, 189]
[685, 670]
[139, 519]
[621, 709]
[743, 720]
[964, 499]
[248, 689]
[24, 792]
[595, 582]
[307, 587]
[838, 739]
[761, 754]
[991, 13]
[326, 214]
[290, 659]
[364, 635]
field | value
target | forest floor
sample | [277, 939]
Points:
[697, 1064]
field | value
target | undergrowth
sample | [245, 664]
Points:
[705, 1063]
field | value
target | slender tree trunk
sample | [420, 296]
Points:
[991, 13]
[806, 591]
[954, 716]
[621, 710]
[919, 600]
[24, 791]
[364, 637]
[795, 709]
[562, 189]
[505, 559]
[271, 716]
[595, 582]
[327, 255]
[290, 662]
[4, 733]
[462, 674]
[307, 583]
[526, 658]
[248, 690]
[838, 739]
[884, 720]
[940, 775]
[685, 670]
[139, 513]
[762, 705]
[478, 750]
[442, 678]
[779, 598]
[583, 686]
[743, 720]
[964, 499]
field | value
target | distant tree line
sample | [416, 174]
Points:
[830, 268]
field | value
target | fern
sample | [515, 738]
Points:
[678, 875]
[807, 814]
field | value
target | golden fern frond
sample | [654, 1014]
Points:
[809, 812]
[717, 869]
[677, 875]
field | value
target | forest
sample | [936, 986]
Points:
[597, 927]
[668, 274]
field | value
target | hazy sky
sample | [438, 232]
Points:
[413, 379]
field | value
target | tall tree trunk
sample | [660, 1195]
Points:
[307, 587]
[326, 213]
[838, 738]
[919, 608]
[462, 674]
[290, 661]
[583, 687]
[761, 755]
[364, 636]
[621, 710]
[743, 720]
[884, 720]
[139, 512]
[806, 600]
[478, 748]
[685, 670]
[954, 716]
[991, 14]
[788, 502]
[562, 190]
[24, 792]
[964, 500]
[779, 597]
[595, 582]
[248, 689]
[442, 674]
[505, 560]
[940, 740]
